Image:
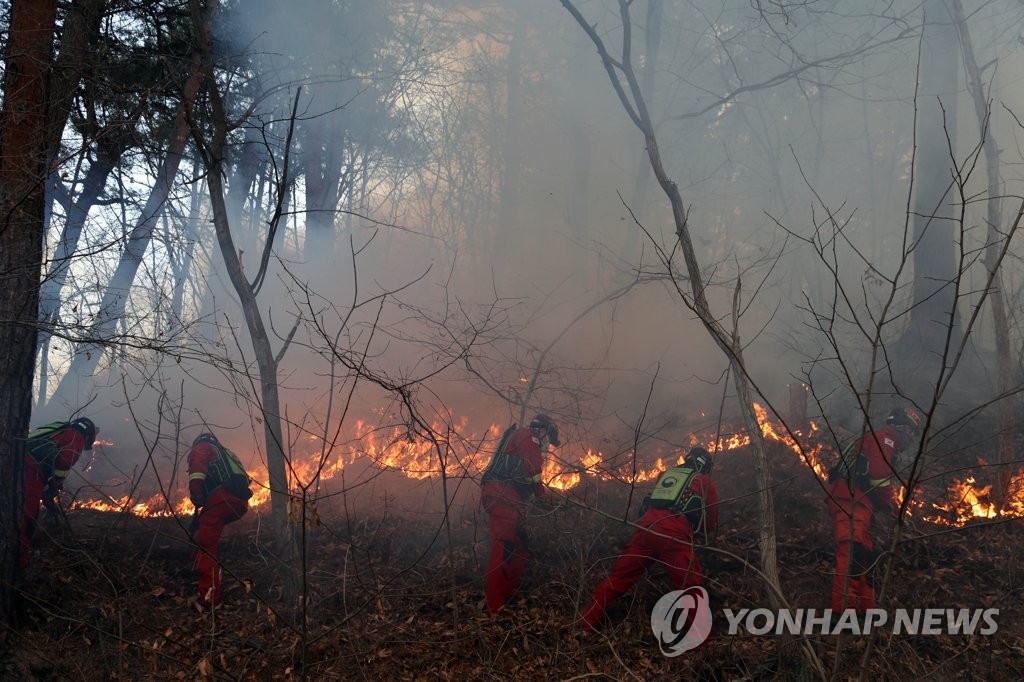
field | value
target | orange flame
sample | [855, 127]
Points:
[967, 501]
[465, 455]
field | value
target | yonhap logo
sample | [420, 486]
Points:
[681, 620]
[933, 621]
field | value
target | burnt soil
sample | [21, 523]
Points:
[389, 591]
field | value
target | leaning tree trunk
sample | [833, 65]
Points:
[115, 298]
[24, 124]
[77, 211]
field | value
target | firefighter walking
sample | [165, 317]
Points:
[511, 480]
[862, 483]
[219, 489]
[684, 503]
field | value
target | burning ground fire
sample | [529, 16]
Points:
[967, 501]
[395, 451]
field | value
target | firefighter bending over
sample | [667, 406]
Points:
[684, 502]
[52, 450]
[511, 480]
[219, 489]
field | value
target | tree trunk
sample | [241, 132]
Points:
[322, 169]
[79, 34]
[642, 178]
[56, 275]
[1007, 423]
[934, 310]
[181, 264]
[247, 164]
[266, 361]
[509, 225]
[23, 169]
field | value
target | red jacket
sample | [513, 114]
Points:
[200, 457]
[527, 462]
[878, 448]
[70, 445]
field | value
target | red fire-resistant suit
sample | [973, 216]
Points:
[852, 513]
[42, 483]
[218, 508]
[674, 552]
[504, 499]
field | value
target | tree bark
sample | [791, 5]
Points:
[24, 123]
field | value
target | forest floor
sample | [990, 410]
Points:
[392, 593]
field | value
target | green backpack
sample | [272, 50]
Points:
[228, 471]
[508, 470]
[672, 491]
[852, 466]
[41, 446]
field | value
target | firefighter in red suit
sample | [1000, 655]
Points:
[52, 451]
[511, 480]
[684, 502]
[862, 483]
[218, 487]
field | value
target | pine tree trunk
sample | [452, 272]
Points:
[23, 171]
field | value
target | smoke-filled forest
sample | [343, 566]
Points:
[356, 240]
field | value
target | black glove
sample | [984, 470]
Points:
[197, 500]
[50, 502]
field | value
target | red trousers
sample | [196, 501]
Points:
[221, 508]
[675, 552]
[508, 554]
[34, 486]
[852, 587]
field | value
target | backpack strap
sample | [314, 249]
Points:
[852, 466]
[502, 467]
[227, 471]
[42, 448]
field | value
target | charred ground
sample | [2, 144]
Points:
[393, 593]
